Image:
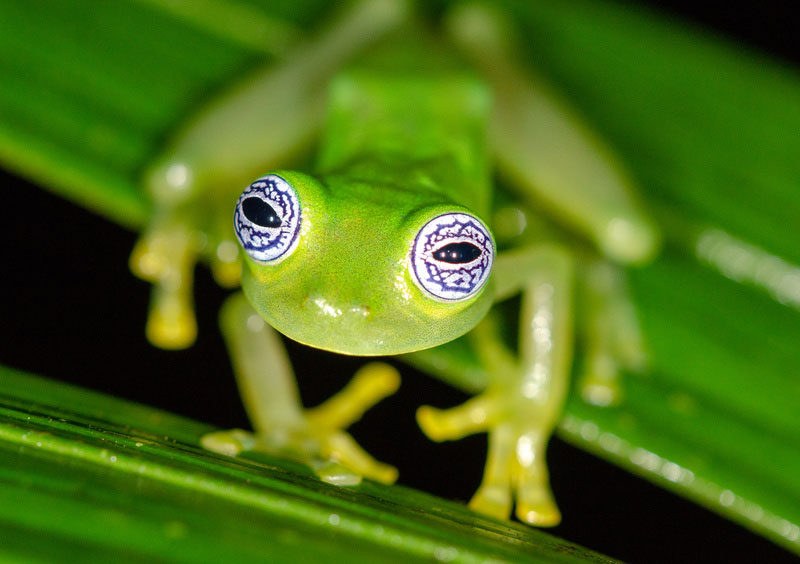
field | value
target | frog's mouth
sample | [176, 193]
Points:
[360, 320]
[356, 330]
[365, 330]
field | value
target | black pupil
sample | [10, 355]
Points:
[260, 212]
[458, 253]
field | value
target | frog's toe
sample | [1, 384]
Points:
[171, 323]
[538, 512]
[601, 394]
[346, 460]
[371, 383]
[535, 504]
[471, 417]
[494, 500]
[229, 443]
[145, 263]
[331, 472]
[226, 264]
[599, 383]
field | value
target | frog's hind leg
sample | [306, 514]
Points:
[609, 329]
[543, 147]
[523, 401]
[282, 426]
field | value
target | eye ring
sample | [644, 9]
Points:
[452, 257]
[267, 219]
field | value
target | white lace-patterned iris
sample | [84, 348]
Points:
[452, 256]
[267, 219]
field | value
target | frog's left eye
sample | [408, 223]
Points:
[267, 219]
[452, 256]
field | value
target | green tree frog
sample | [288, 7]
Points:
[388, 248]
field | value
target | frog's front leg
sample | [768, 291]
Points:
[165, 255]
[282, 426]
[523, 401]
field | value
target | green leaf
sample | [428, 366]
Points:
[89, 478]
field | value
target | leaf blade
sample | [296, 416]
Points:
[111, 477]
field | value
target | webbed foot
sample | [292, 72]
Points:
[515, 467]
[318, 438]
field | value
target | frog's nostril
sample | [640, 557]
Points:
[336, 308]
[362, 310]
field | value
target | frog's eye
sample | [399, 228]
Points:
[452, 256]
[267, 219]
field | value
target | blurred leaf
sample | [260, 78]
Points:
[92, 89]
[89, 478]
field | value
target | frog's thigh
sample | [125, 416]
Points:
[281, 424]
[543, 146]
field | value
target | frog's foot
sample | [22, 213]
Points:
[165, 255]
[317, 437]
[613, 341]
[515, 467]
[599, 382]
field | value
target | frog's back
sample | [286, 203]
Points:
[411, 104]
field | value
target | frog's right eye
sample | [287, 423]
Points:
[267, 219]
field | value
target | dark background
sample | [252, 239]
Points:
[72, 311]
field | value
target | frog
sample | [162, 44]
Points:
[395, 241]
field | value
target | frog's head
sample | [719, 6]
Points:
[358, 270]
